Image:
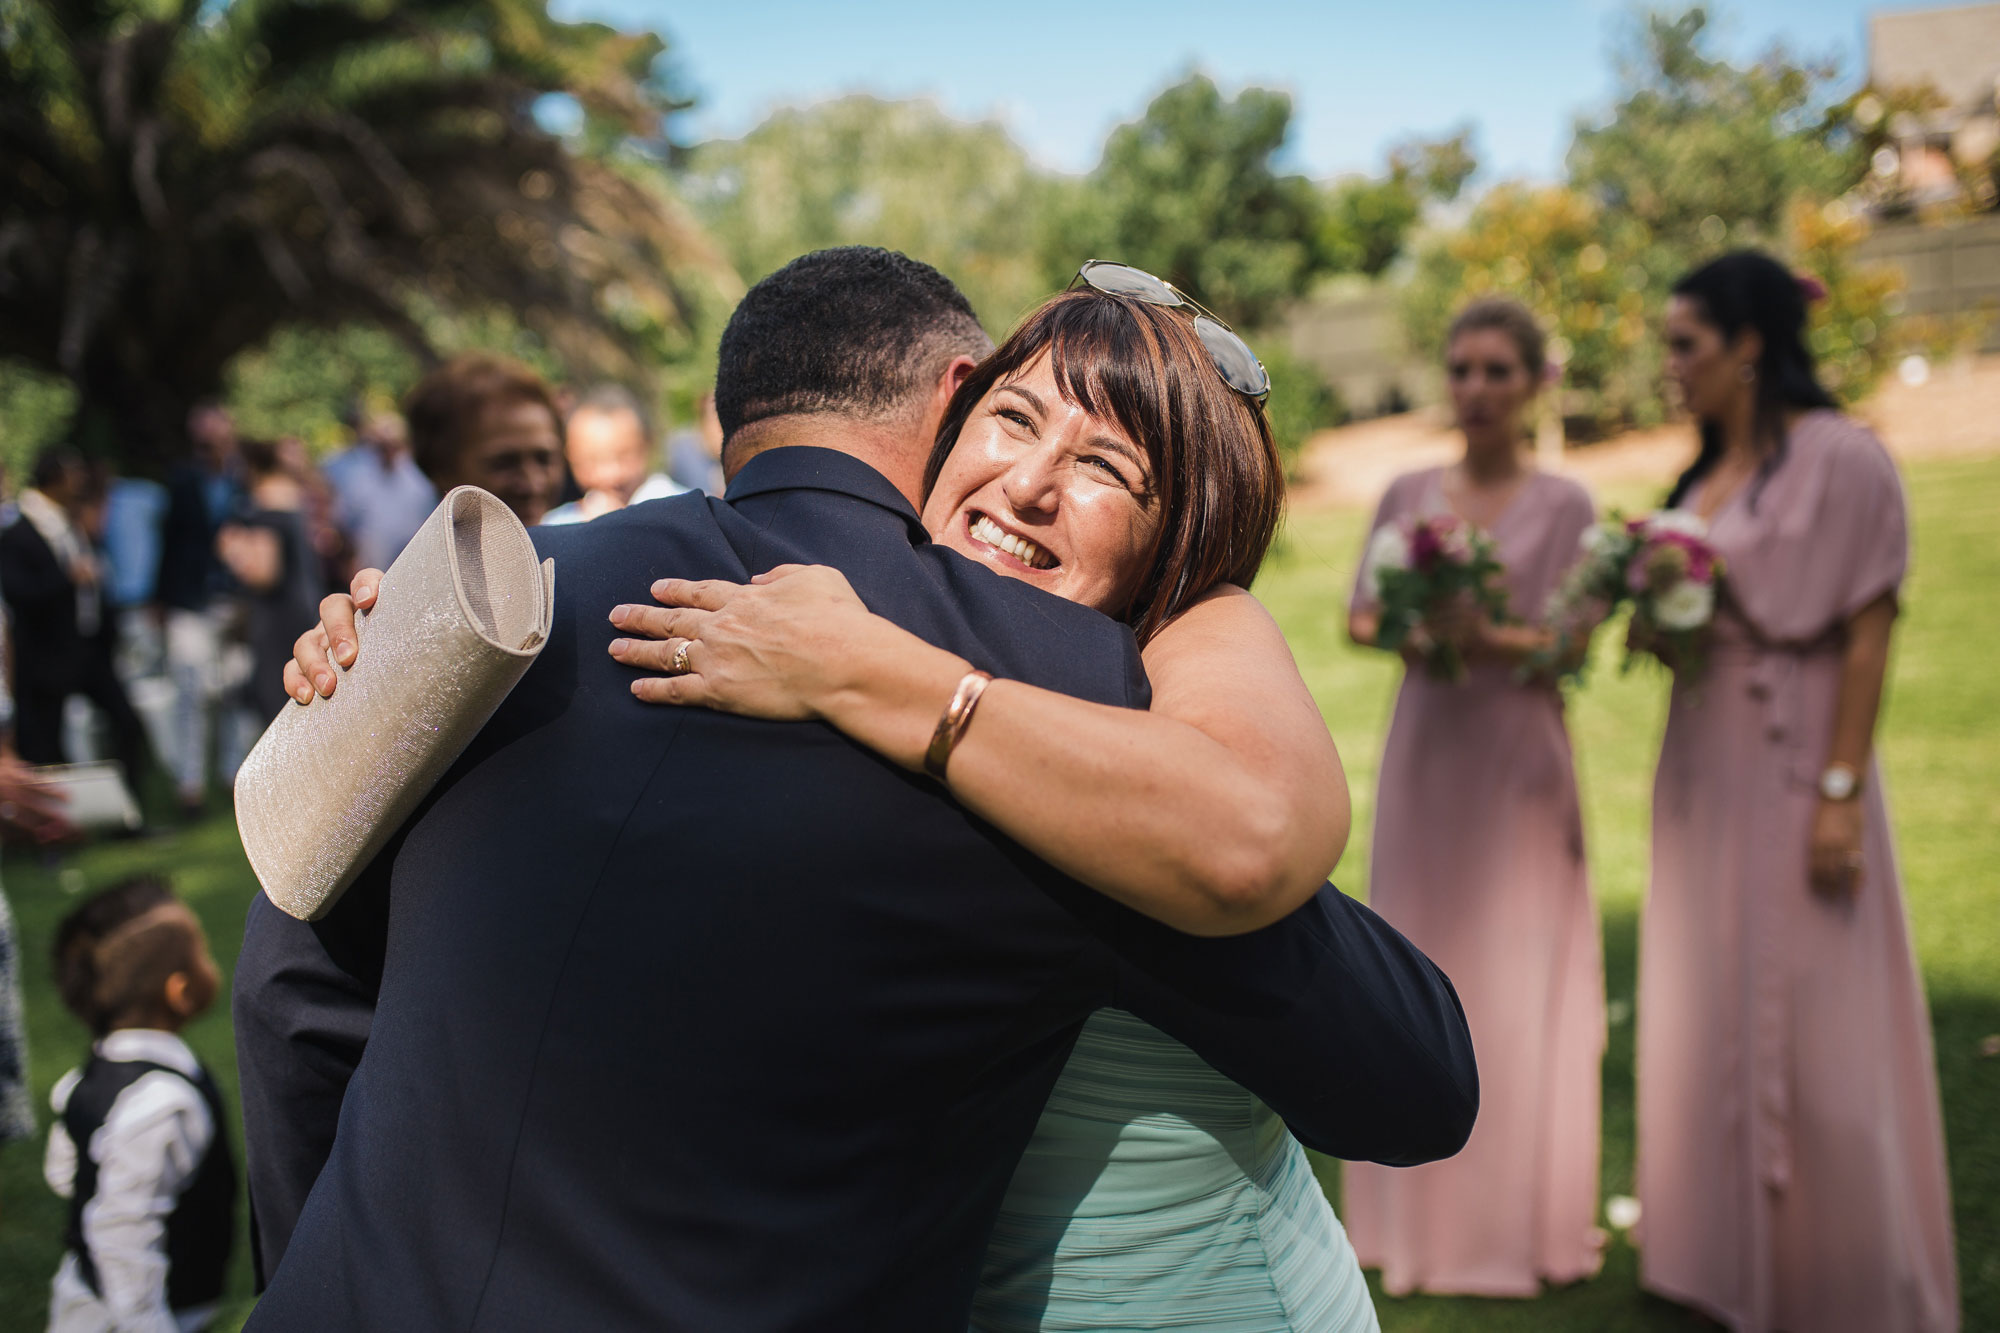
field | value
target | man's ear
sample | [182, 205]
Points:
[955, 374]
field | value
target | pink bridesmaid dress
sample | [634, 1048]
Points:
[1791, 1152]
[1478, 858]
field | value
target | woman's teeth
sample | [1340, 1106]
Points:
[1029, 554]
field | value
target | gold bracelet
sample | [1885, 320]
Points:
[951, 724]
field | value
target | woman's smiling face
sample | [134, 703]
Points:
[1041, 490]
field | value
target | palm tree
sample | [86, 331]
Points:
[179, 178]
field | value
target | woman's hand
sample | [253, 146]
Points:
[30, 804]
[1836, 864]
[779, 647]
[332, 640]
[1459, 623]
[1418, 646]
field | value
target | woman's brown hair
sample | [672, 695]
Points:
[1217, 477]
[1510, 317]
[445, 409]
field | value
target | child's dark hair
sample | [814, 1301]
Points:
[100, 984]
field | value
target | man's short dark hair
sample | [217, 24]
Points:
[54, 465]
[856, 330]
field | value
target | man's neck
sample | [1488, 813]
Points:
[890, 447]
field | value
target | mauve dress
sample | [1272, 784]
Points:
[1478, 858]
[1791, 1150]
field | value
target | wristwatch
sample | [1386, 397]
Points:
[1839, 783]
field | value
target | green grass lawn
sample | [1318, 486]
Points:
[1941, 742]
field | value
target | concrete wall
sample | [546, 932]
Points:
[1950, 269]
[1355, 340]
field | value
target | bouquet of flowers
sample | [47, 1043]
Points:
[1663, 565]
[1417, 565]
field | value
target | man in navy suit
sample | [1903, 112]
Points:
[682, 1020]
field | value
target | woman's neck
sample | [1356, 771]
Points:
[1489, 465]
[1742, 440]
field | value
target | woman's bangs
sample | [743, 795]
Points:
[1109, 363]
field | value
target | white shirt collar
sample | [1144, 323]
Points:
[151, 1044]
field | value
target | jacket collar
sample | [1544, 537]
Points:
[804, 467]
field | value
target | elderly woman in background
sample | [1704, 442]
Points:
[1478, 858]
[1791, 1149]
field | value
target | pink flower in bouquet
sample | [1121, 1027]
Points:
[1700, 556]
[1444, 537]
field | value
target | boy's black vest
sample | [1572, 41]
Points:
[202, 1226]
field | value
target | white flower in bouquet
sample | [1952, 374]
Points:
[1389, 548]
[1685, 606]
[1684, 521]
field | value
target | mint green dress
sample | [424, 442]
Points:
[1156, 1194]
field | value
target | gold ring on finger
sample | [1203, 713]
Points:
[679, 666]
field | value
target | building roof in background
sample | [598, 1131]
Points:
[1955, 50]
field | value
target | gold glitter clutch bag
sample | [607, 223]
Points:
[462, 614]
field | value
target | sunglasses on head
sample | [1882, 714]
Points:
[1234, 361]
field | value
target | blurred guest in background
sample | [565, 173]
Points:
[1791, 1150]
[381, 496]
[62, 640]
[694, 453]
[135, 509]
[1478, 858]
[482, 420]
[35, 808]
[609, 444]
[333, 553]
[196, 594]
[269, 550]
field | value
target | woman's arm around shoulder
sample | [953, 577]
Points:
[1218, 812]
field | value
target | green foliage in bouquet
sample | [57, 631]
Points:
[1420, 567]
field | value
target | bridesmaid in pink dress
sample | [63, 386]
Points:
[1478, 858]
[1791, 1151]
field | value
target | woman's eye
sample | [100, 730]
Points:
[1018, 417]
[1106, 466]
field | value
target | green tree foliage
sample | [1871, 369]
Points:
[1190, 191]
[1301, 401]
[35, 409]
[863, 171]
[1693, 137]
[177, 181]
[1368, 220]
[1696, 156]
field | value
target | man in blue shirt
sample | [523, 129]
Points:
[383, 497]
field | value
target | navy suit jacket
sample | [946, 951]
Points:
[691, 1021]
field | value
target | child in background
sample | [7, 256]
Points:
[140, 1146]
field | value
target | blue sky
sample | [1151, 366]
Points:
[1061, 75]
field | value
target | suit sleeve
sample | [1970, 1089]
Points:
[1337, 1022]
[303, 1002]
[31, 578]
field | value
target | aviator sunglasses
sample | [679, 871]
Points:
[1234, 361]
